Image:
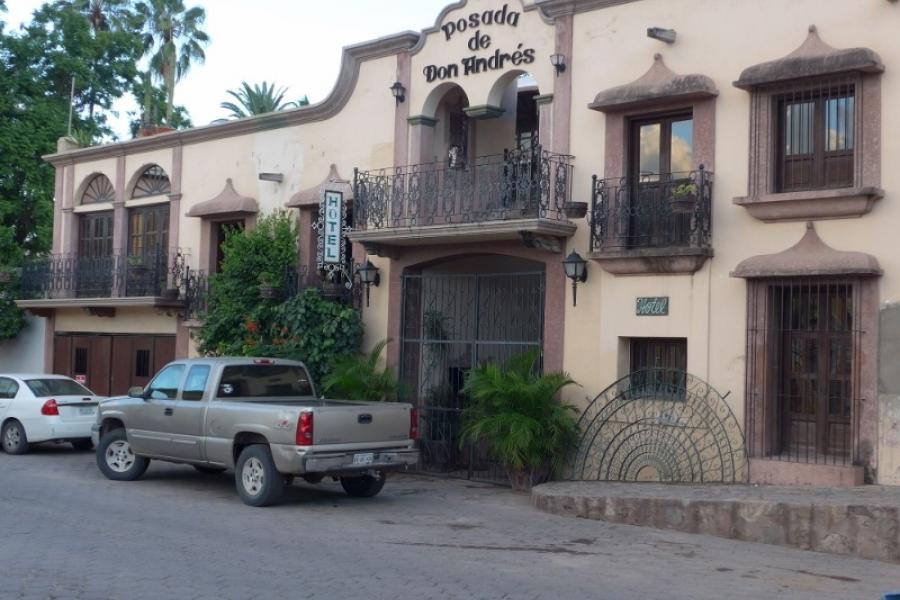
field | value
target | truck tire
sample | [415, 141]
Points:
[13, 438]
[116, 460]
[257, 480]
[365, 486]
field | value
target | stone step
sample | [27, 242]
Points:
[861, 521]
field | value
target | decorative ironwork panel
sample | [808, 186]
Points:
[666, 211]
[152, 182]
[660, 425]
[450, 324]
[99, 189]
[518, 184]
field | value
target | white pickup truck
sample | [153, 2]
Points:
[258, 416]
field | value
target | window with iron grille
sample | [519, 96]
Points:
[658, 367]
[815, 137]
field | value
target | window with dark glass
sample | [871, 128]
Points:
[662, 148]
[152, 182]
[98, 189]
[527, 121]
[264, 381]
[95, 235]
[142, 363]
[81, 361]
[8, 388]
[659, 367]
[148, 230]
[816, 138]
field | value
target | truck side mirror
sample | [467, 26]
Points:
[136, 392]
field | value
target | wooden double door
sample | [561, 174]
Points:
[110, 364]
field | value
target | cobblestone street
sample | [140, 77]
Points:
[68, 533]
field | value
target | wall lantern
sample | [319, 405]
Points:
[399, 92]
[664, 35]
[559, 62]
[576, 270]
[369, 275]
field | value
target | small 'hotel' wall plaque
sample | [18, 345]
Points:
[653, 307]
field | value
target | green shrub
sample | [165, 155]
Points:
[358, 377]
[514, 412]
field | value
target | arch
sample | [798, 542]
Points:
[498, 89]
[435, 96]
[150, 180]
[664, 422]
[96, 189]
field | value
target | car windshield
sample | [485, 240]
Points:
[264, 381]
[42, 388]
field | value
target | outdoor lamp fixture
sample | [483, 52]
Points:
[399, 92]
[559, 62]
[369, 275]
[576, 270]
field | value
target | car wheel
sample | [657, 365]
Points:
[13, 438]
[209, 470]
[116, 460]
[83, 444]
[365, 486]
[257, 480]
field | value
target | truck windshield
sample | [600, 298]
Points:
[264, 381]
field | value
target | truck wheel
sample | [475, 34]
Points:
[210, 470]
[13, 438]
[116, 459]
[257, 480]
[365, 486]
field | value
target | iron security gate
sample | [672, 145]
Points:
[450, 323]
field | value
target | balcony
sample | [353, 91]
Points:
[661, 224]
[60, 280]
[517, 194]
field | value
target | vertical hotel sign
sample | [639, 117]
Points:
[331, 226]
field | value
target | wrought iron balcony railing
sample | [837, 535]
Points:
[62, 276]
[672, 210]
[512, 185]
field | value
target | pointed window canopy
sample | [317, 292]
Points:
[99, 189]
[152, 182]
[809, 257]
[313, 196]
[228, 202]
[814, 58]
[659, 84]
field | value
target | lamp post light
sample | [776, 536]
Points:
[369, 275]
[399, 92]
[576, 270]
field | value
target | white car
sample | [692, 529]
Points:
[43, 408]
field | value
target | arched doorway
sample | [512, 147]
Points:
[457, 314]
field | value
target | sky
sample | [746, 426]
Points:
[295, 43]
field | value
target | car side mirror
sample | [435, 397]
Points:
[136, 392]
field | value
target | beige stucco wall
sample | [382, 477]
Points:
[127, 320]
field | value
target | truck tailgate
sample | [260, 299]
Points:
[359, 424]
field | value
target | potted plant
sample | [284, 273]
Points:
[575, 210]
[358, 377]
[268, 285]
[684, 198]
[513, 410]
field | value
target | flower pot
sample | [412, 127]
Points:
[523, 480]
[683, 204]
[576, 210]
[269, 292]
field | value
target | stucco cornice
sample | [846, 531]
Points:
[560, 8]
[353, 57]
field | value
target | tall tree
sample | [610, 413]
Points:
[152, 101]
[105, 15]
[258, 99]
[174, 40]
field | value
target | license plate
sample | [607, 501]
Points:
[86, 410]
[366, 458]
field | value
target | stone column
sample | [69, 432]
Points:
[421, 139]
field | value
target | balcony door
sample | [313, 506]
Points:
[662, 156]
[93, 269]
[148, 239]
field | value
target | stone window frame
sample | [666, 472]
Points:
[809, 68]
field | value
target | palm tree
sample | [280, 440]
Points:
[259, 99]
[104, 14]
[174, 39]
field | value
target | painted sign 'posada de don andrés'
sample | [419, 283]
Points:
[477, 26]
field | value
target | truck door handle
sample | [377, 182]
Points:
[169, 412]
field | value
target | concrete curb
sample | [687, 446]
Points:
[870, 531]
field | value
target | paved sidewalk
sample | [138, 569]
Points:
[68, 533]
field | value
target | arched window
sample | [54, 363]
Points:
[99, 189]
[152, 182]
